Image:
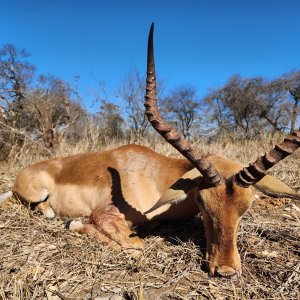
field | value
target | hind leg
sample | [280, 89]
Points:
[33, 186]
[108, 225]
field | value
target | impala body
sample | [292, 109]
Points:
[133, 185]
[132, 177]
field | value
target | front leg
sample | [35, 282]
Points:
[109, 226]
[111, 222]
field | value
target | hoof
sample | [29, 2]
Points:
[49, 213]
[74, 225]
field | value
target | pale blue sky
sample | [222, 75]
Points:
[201, 43]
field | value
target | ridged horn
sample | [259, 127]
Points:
[168, 132]
[256, 171]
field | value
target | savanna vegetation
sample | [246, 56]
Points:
[45, 110]
[42, 116]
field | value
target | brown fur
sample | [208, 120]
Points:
[117, 188]
[221, 221]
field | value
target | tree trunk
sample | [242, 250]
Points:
[294, 113]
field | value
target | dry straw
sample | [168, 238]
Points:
[39, 259]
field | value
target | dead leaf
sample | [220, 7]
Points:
[266, 253]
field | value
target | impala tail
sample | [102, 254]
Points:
[5, 196]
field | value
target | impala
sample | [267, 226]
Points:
[133, 185]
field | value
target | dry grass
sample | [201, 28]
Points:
[39, 259]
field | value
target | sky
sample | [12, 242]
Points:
[200, 43]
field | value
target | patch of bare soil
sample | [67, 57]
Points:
[40, 259]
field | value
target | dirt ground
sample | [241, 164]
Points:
[40, 259]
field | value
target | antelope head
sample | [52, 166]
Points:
[224, 195]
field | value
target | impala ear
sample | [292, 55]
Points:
[275, 188]
[177, 193]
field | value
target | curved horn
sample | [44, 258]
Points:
[256, 171]
[167, 131]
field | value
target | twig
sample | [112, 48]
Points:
[292, 277]
[58, 294]
[29, 138]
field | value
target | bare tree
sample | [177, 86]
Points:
[15, 78]
[274, 106]
[132, 92]
[234, 107]
[292, 81]
[110, 120]
[30, 108]
[181, 108]
[53, 110]
[248, 106]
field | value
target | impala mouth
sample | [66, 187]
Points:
[226, 272]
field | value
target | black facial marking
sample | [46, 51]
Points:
[229, 186]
